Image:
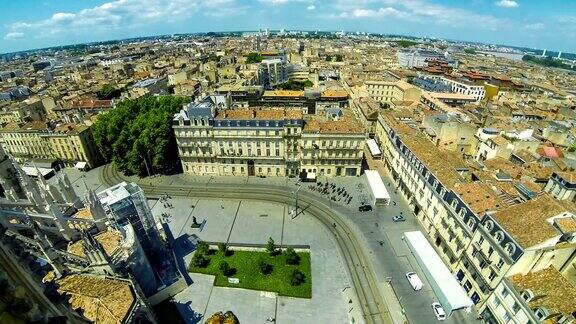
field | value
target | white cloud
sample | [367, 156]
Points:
[412, 10]
[371, 13]
[122, 14]
[281, 2]
[507, 3]
[311, 7]
[535, 26]
[13, 35]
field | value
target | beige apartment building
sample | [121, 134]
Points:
[69, 143]
[482, 236]
[74, 143]
[265, 142]
[25, 140]
[388, 91]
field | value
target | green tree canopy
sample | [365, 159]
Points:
[137, 135]
[108, 92]
[253, 58]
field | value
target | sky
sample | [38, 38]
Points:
[544, 24]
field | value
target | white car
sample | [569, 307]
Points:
[414, 280]
[439, 311]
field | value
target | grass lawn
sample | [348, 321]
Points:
[247, 270]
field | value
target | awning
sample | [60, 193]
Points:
[311, 175]
[80, 165]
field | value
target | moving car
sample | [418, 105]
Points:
[364, 208]
[439, 311]
[414, 281]
[398, 218]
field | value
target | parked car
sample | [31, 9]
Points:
[439, 311]
[398, 218]
[365, 208]
[414, 281]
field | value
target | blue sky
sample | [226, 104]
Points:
[550, 24]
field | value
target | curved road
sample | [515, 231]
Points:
[364, 282]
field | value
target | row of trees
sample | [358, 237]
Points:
[548, 62]
[137, 135]
[295, 85]
[253, 58]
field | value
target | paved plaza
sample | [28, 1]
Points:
[242, 221]
[238, 221]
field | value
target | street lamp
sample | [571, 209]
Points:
[295, 193]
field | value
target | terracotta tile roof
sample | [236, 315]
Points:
[259, 114]
[92, 104]
[109, 239]
[551, 290]
[343, 126]
[479, 197]
[284, 93]
[566, 224]
[569, 176]
[334, 94]
[528, 222]
[84, 213]
[100, 299]
[442, 163]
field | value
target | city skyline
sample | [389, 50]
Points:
[548, 25]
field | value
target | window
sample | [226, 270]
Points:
[506, 317]
[480, 240]
[510, 248]
[490, 251]
[499, 236]
[504, 292]
[515, 307]
[489, 225]
[500, 264]
[492, 275]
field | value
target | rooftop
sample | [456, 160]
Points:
[551, 290]
[528, 223]
[109, 239]
[342, 126]
[479, 196]
[100, 299]
[284, 93]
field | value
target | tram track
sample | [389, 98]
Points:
[363, 278]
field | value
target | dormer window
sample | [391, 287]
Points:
[499, 236]
[541, 313]
[489, 225]
[510, 248]
[527, 295]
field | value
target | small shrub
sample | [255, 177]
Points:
[291, 256]
[223, 248]
[199, 260]
[202, 248]
[297, 278]
[265, 268]
[271, 246]
[225, 268]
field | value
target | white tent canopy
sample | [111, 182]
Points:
[449, 292]
[373, 147]
[379, 193]
[80, 165]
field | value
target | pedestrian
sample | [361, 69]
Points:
[394, 203]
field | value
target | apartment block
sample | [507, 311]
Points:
[388, 91]
[482, 236]
[265, 142]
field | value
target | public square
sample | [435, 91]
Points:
[245, 221]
